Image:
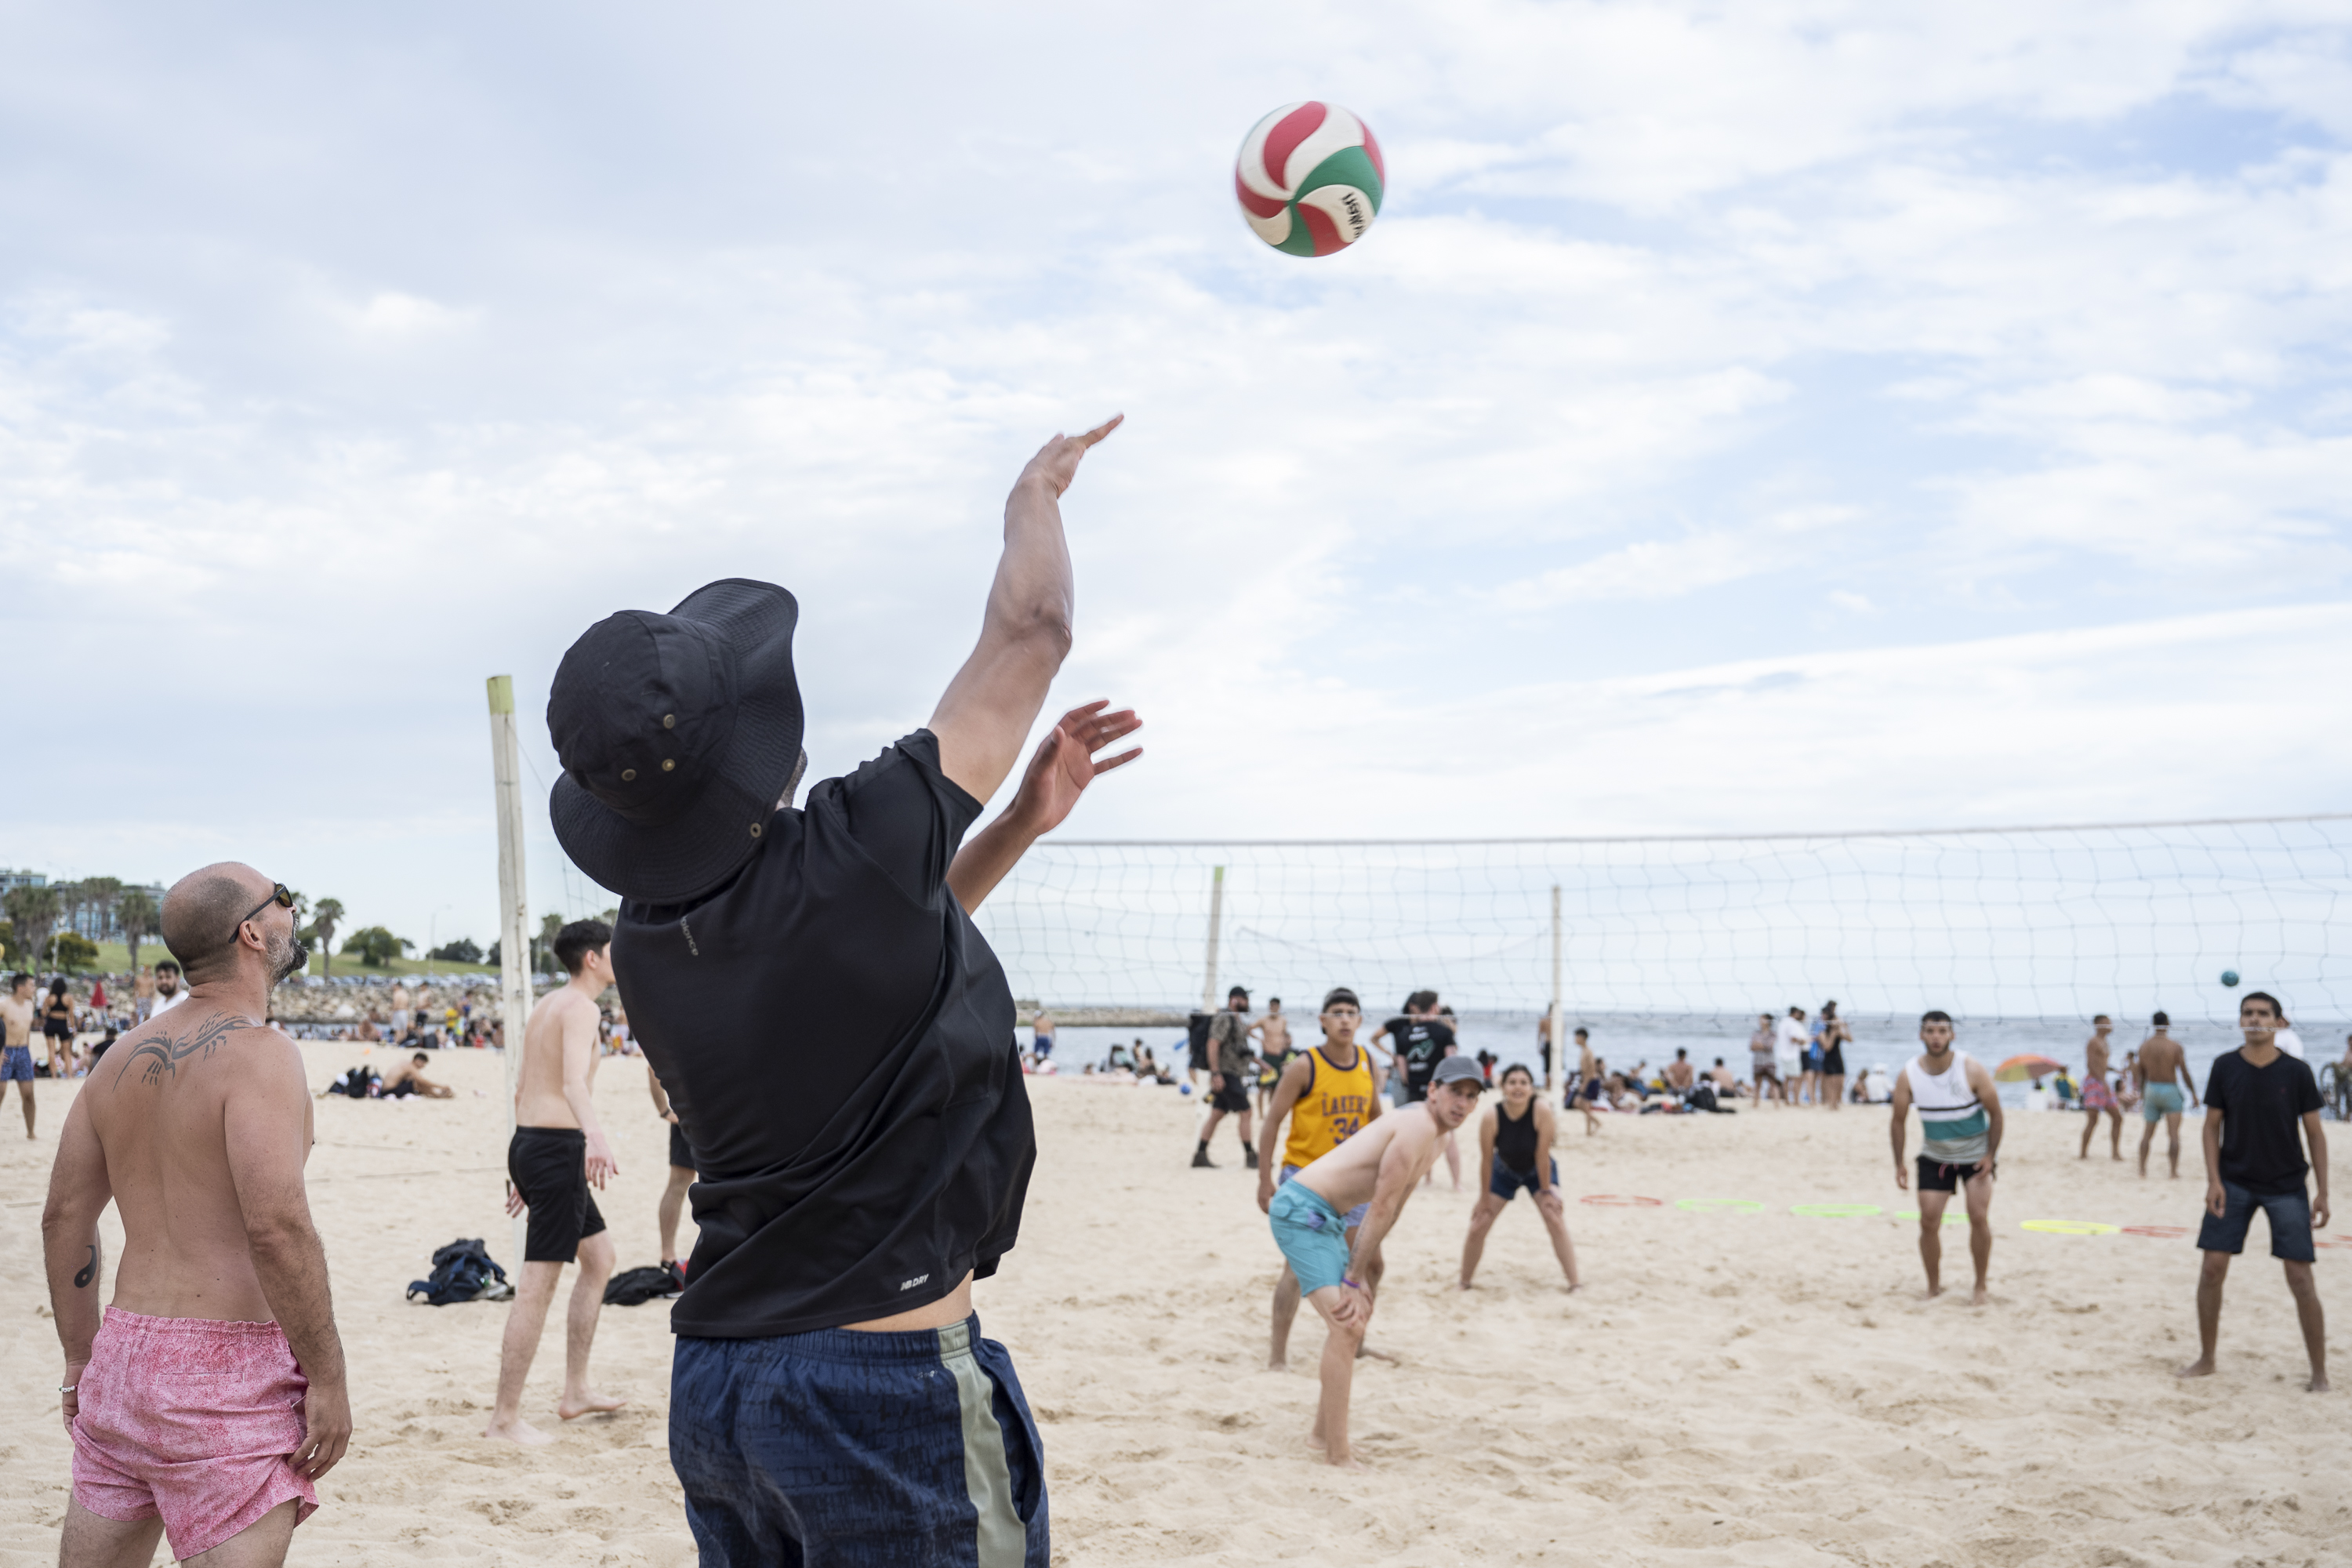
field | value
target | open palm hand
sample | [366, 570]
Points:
[1065, 763]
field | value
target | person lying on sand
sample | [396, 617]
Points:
[1382, 1164]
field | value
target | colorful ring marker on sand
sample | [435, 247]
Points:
[2069, 1227]
[2158, 1232]
[1949, 1217]
[1613, 1201]
[1719, 1205]
[1835, 1211]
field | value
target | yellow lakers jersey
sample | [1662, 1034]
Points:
[1334, 1104]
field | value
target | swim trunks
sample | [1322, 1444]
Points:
[2290, 1217]
[2098, 1096]
[192, 1419]
[1355, 1215]
[2162, 1100]
[861, 1449]
[1941, 1176]
[1505, 1183]
[549, 1167]
[1312, 1238]
[680, 1156]
[17, 1063]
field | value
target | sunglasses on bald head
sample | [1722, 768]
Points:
[279, 894]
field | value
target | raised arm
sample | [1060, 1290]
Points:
[80, 1191]
[1024, 633]
[266, 1123]
[1058, 773]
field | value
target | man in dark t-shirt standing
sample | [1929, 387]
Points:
[1419, 1039]
[810, 987]
[2257, 1098]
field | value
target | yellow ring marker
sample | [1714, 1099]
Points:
[1949, 1217]
[2070, 1227]
[1835, 1211]
[1719, 1205]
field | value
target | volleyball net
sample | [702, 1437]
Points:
[2023, 922]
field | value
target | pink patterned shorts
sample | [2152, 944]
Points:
[193, 1419]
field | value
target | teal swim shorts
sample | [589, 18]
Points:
[1313, 1237]
[2163, 1100]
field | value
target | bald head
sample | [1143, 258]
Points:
[201, 914]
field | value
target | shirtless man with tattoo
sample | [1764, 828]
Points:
[195, 1126]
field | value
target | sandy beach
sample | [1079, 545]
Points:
[1735, 1385]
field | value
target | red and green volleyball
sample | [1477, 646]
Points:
[1309, 179]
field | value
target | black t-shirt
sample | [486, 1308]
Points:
[839, 1037]
[1420, 1044]
[2261, 1147]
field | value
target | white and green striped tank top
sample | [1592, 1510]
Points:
[1952, 1123]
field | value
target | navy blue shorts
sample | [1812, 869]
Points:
[17, 1062]
[1507, 1183]
[858, 1450]
[2290, 1217]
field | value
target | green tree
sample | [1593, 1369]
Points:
[462, 950]
[34, 912]
[325, 916]
[100, 896]
[71, 951]
[542, 951]
[136, 913]
[375, 946]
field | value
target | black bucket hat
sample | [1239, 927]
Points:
[676, 733]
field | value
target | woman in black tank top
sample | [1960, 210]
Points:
[1516, 1138]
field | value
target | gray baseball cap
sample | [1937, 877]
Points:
[1455, 1069]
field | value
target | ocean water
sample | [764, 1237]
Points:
[1624, 1040]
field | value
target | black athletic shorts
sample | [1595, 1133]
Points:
[1938, 1177]
[680, 1155]
[549, 1167]
[1234, 1096]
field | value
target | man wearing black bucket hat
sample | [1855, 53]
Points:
[838, 1039]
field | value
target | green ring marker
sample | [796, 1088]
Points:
[1949, 1217]
[1719, 1205]
[2069, 1227]
[1835, 1211]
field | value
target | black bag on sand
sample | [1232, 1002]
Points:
[462, 1271]
[636, 1287]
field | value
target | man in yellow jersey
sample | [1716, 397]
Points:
[1328, 1093]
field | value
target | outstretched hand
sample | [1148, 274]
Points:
[1065, 763]
[1056, 461]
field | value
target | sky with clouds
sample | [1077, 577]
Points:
[1798, 416]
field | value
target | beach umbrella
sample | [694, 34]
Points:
[2018, 1070]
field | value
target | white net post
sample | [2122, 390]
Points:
[1216, 929]
[1552, 1053]
[514, 898]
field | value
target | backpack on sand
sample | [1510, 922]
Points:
[636, 1287]
[462, 1271]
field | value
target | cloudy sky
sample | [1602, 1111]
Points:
[1798, 416]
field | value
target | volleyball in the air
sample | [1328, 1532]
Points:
[2228, 977]
[1309, 179]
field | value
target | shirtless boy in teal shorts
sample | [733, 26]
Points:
[1382, 1164]
[2163, 1074]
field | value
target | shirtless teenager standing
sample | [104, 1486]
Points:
[2164, 1079]
[209, 1395]
[558, 1152]
[16, 1052]
[1960, 1135]
[1273, 1035]
[1380, 1165]
[1327, 1095]
[2098, 1088]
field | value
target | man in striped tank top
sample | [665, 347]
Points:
[1959, 1127]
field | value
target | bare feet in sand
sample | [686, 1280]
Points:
[1931, 1292]
[1277, 1363]
[516, 1431]
[1374, 1352]
[591, 1403]
[1982, 1298]
[2318, 1384]
[2201, 1367]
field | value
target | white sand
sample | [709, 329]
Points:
[1757, 1388]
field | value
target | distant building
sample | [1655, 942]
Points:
[12, 880]
[86, 920]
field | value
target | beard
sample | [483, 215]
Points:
[287, 957]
